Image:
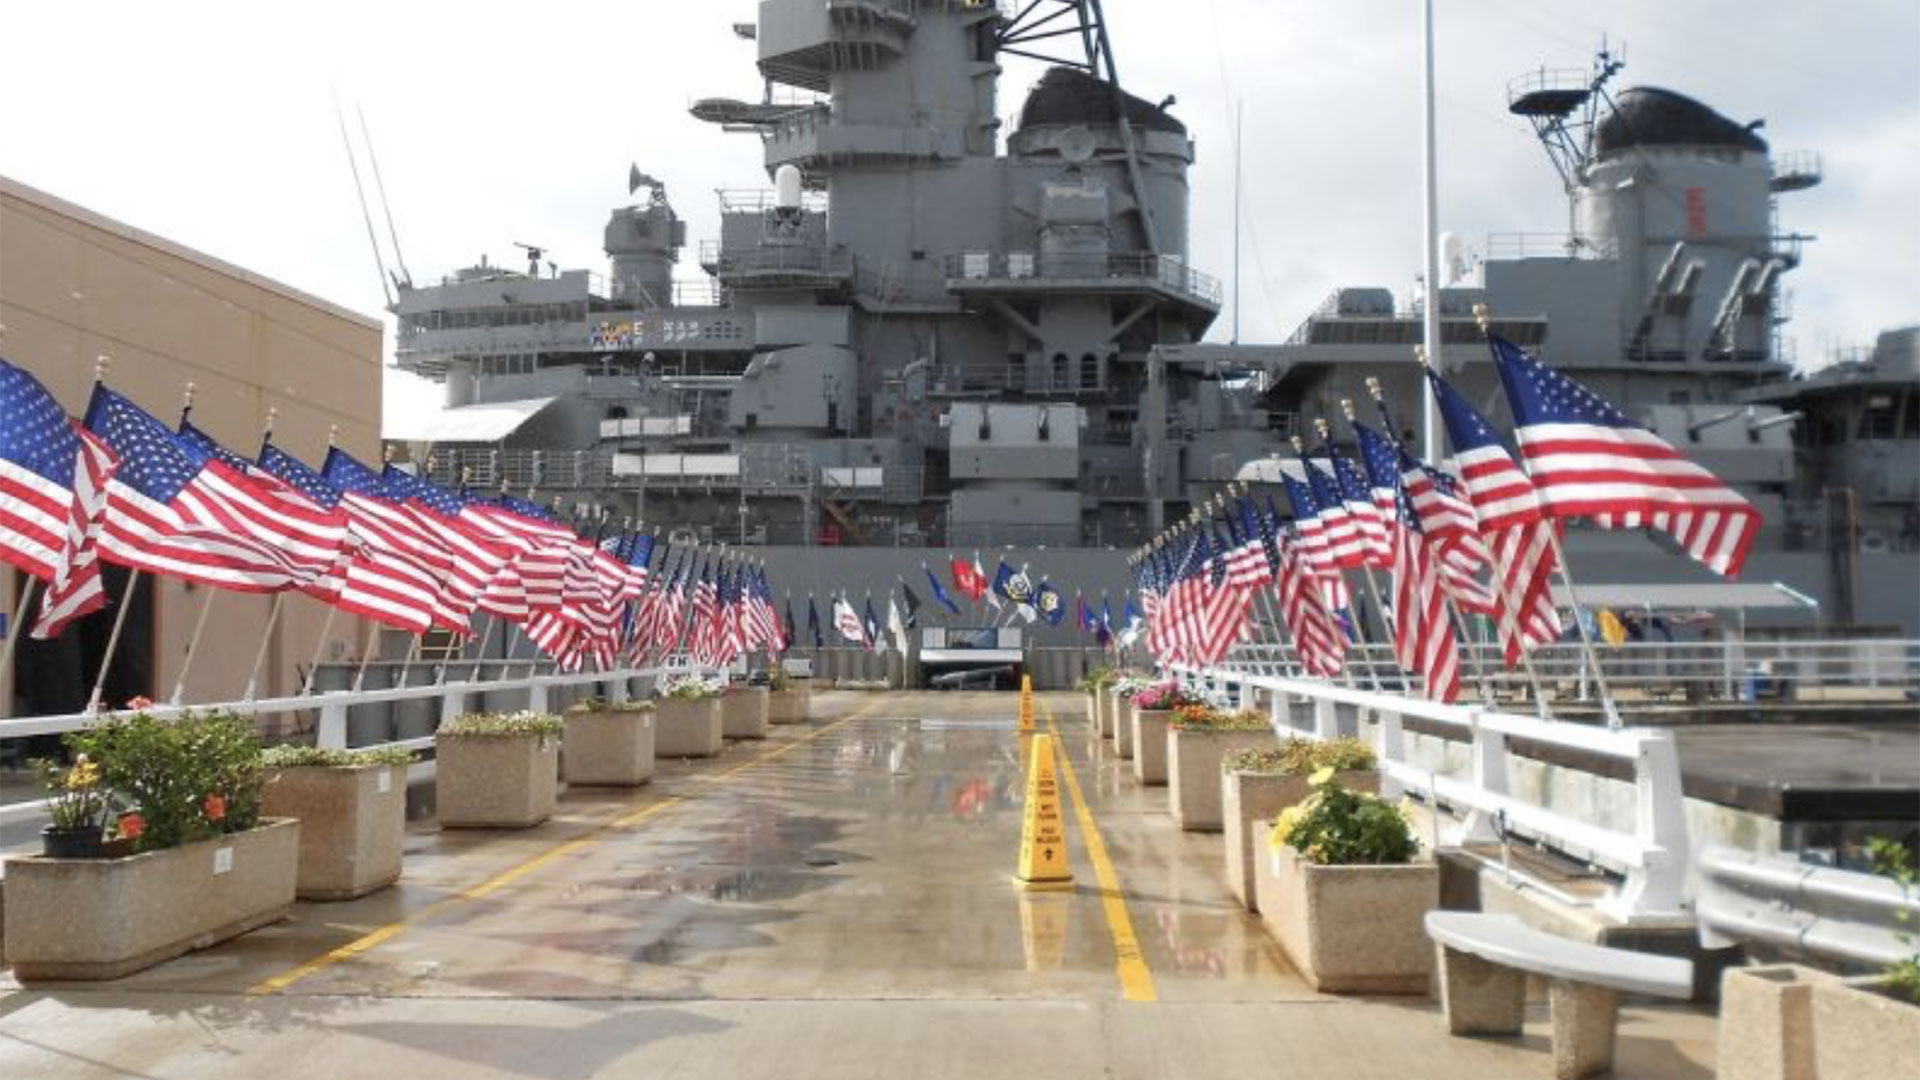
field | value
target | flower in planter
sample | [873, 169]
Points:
[1166, 695]
[130, 826]
[140, 703]
[1337, 827]
[295, 757]
[1302, 757]
[1098, 679]
[164, 771]
[76, 799]
[503, 725]
[692, 688]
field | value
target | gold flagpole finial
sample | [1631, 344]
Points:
[1374, 389]
[1483, 317]
[100, 365]
[1325, 429]
[1346, 406]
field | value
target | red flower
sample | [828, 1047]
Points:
[131, 825]
[215, 806]
[140, 704]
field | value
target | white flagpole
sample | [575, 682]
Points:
[113, 642]
[1483, 315]
[193, 647]
[266, 637]
[1430, 322]
[17, 626]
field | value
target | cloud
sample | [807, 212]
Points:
[498, 123]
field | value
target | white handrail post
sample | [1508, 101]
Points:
[1326, 719]
[1278, 715]
[617, 687]
[333, 723]
[1489, 775]
[1243, 691]
[1657, 888]
[537, 697]
[1390, 748]
[452, 704]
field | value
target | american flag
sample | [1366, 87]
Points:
[1310, 622]
[39, 452]
[1248, 565]
[378, 520]
[1424, 643]
[1511, 521]
[76, 590]
[1588, 460]
[1225, 603]
[481, 575]
[1374, 524]
[174, 512]
[392, 588]
[1452, 533]
[1317, 546]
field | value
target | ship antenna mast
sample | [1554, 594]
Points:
[360, 190]
[405, 278]
[1564, 106]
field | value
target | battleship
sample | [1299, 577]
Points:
[932, 333]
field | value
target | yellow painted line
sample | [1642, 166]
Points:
[1136, 979]
[386, 933]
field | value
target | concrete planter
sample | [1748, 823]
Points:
[1150, 745]
[1093, 710]
[1123, 729]
[496, 782]
[91, 919]
[1249, 800]
[1766, 1023]
[1350, 929]
[743, 713]
[1860, 1032]
[353, 825]
[1110, 702]
[612, 748]
[1193, 772]
[789, 706]
[687, 728]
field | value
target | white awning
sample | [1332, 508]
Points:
[487, 423]
[1724, 596]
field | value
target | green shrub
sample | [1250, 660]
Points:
[1337, 827]
[1303, 757]
[182, 780]
[1098, 679]
[300, 757]
[1894, 860]
[502, 725]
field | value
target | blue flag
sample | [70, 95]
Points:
[940, 592]
[1053, 606]
[813, 624]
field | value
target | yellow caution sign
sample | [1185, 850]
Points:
[1043, 834]
[1026, 704]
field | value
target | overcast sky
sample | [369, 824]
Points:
[213, 124]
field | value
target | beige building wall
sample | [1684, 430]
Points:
[75, 285]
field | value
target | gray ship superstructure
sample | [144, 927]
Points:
[933, 332]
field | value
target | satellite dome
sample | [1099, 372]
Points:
[1650, 116]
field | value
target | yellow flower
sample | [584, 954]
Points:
[1321, 777]
[1286, 823]
[84, 774]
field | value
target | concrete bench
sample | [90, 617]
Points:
[1483, 964]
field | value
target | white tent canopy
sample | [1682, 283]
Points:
[487, 423]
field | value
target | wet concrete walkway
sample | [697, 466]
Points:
[831, 902]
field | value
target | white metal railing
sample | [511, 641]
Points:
[1650, 856]
[1834, 914]
[332, 708]
[1728, 669]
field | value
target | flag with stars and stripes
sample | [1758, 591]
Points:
[172, 511]
[1424, 642]
[1510, 519]
[1589, 460]
[1373, 524]
[1452, 533]
[76, 589]
[395, 589]
[39, 453]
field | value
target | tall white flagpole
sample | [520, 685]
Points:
[1429, 404]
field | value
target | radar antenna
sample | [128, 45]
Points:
[1564, 105]
[534, 254]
